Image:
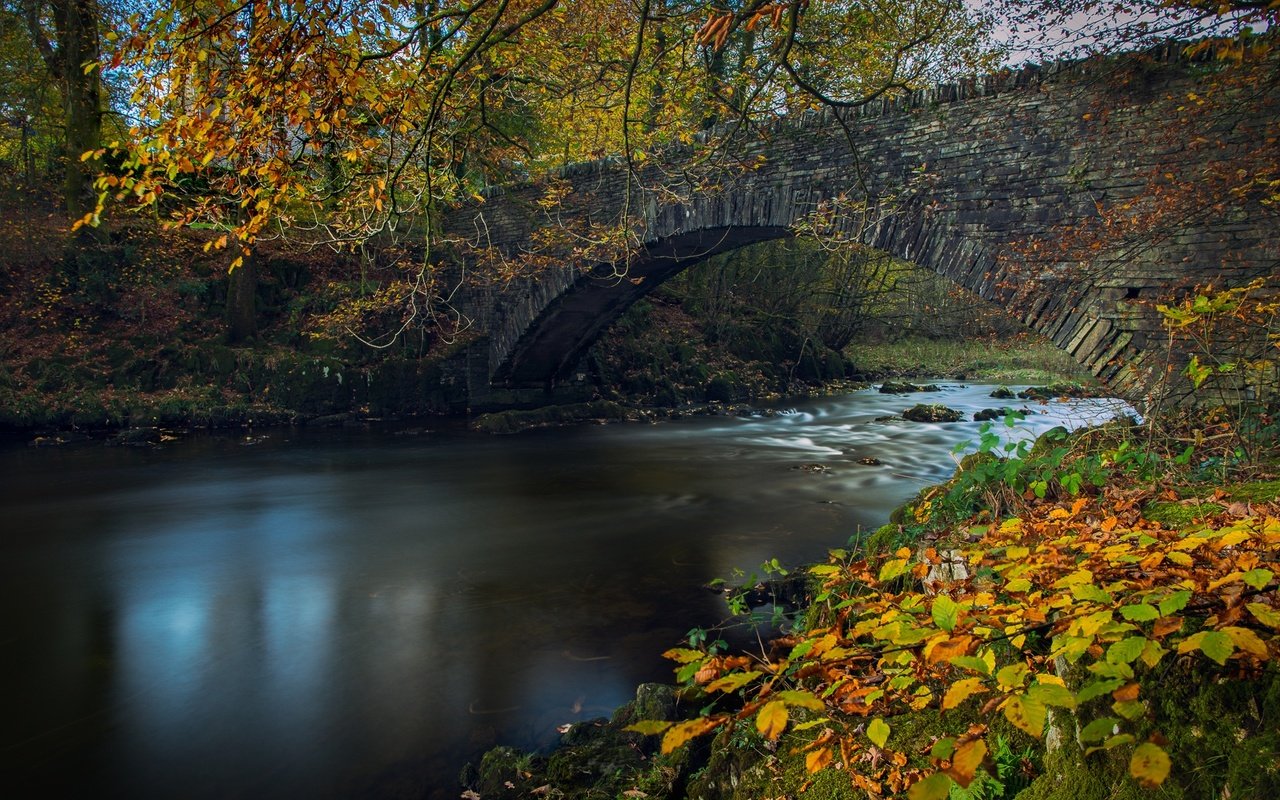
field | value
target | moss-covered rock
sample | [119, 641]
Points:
[931, 412]
[1222, 736]
[595, 759]
[906, 387]
[517, 420]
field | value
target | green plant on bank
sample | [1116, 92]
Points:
[1004, 473]
[1058, 595]
[1013, 772]
[1233, 337]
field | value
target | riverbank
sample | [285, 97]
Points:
[127, 330]
[1188, 673]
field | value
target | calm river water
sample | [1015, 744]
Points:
[355, 613]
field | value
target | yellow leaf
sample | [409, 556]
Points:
[771, 720]
[1246, 640]
[960, 691]
[1180, 558]
[1265, 614]
[878, 732]
[1149, 764]
[682, 732]
[1026, 713]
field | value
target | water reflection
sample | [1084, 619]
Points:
[356, 614]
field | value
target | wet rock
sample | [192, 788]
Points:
[1054, 391]
[812, 468]
[1003, 393]
[412, 432]
[137, 437]
[595, 758]
[931, 412]
[328, 420]
[903, 387]
[515, 421]
[870, 462]
[988, 414]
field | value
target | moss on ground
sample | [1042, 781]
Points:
[1189, 511]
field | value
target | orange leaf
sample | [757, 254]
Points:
[818, 759]
[947, 649]
[966, 760]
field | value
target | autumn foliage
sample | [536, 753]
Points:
[1065, 615]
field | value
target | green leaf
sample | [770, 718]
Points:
[943, 748]
[1109, 669]
[1217, 646]
[935, 787]
[1129, 709]
[801, 650]
[878, 732]
[1126, 651]
[813, 723]
[1098, 689]
[1088, 591]
[685, 673]
[1258, 578]
[1098, 730]
[945, 612]
[1139, 613]
[1051, 694]
[971, 663]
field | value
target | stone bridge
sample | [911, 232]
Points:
[995, 183]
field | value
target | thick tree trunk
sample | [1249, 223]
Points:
[242, 311]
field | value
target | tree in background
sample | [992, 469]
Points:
[30, 104]
[333, 122]
[66, 35]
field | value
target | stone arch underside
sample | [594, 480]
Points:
[962, 180]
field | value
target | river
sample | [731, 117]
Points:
[358, 612]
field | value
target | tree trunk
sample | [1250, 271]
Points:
[242, 311]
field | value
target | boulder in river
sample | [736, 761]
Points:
[931, 412]
[903, 387]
